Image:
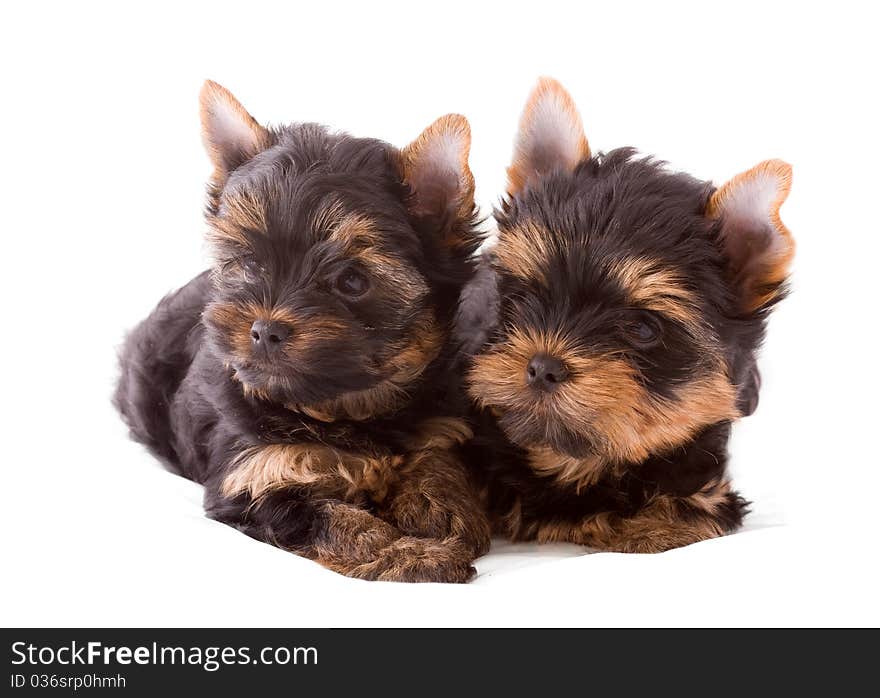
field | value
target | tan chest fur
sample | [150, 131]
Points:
[332, 472]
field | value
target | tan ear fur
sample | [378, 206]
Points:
[230, 134]
[551, 136]
[759, 246]
[435, 166]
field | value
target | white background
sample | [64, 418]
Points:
[102, 188]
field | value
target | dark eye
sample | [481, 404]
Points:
[352, 283]
[246, 267]
[644, 331]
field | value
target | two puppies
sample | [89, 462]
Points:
[311, 383]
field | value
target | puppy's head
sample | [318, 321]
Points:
[337, 259]
[631, 298]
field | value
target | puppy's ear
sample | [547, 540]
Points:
[759, 248]
[550, 136]
[435, 166]
[231, 135]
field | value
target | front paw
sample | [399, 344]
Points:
[660, 541]
[420, 514]
[714, 511]
[418, 560]
[417, 514]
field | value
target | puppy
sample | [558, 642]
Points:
[306, 378]
[615, 330]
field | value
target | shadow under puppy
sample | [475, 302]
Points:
[625, 305]
[305, 380]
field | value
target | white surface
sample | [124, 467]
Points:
[102, 183]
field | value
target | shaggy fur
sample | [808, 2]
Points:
[614, 327]
[306, 378]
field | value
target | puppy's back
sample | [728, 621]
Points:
[154, 360]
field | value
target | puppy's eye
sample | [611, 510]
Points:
[352, 283]
[246, 268]
[644, 331]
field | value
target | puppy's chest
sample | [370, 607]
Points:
[348, 462]
[546, 486]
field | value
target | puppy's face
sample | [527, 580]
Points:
[630, 297]
[335, 257]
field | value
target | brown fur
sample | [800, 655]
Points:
[419, 151]
[760, 278]
[408, 363]
[665, 522]
[521, 170]
[326, 471]
[440, 432]
[211, 96]
[423, 495]
[567, 470]
[434, 499]
[652, 287]
[602, 398]
[522, 250]
[238, 318]
[361, 239]
[361, 545]
[242, 212]
[353, 230]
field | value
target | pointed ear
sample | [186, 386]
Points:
[550, 136]
[231, 135]
[758, 246]
[435, 166]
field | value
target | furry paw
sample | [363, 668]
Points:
[411, 559]
[418, 514]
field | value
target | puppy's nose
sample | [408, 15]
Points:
[269, 335]
[546, 371]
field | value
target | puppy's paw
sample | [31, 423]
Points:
[418, 514]
[722, 514]
[420, 560]
[411, 559]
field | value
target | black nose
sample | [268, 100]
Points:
[269, 335]
[546, 371]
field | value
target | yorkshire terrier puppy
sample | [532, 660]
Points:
[615, 328]
[306, 380]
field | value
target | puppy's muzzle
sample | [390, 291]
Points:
[546, 372]
[268, 337]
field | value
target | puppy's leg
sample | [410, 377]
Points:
[357, 544]
[435, 499]
[341, 536]
[664, 522]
